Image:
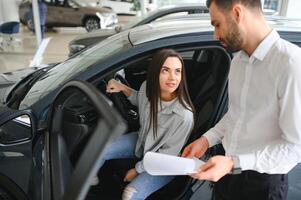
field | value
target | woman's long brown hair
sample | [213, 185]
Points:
[153, 90]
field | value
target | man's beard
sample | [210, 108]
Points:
[233, 39]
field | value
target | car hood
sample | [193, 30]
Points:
[89, 38]
[8, 80]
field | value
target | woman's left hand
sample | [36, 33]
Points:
[130, 175]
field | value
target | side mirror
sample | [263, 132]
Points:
[16, 130]
[118, 28]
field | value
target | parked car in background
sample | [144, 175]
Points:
[70, 13]
[160, 3]
[121, 7]
[85, 40]
[55, 122]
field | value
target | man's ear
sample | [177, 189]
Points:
[237, 12]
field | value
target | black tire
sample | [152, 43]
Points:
[30, 24]
[92, 23]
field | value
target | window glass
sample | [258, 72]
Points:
[16, 130]
[59, 74]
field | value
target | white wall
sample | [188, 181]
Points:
[291, 8]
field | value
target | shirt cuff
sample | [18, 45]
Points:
[211, 139]
[139, 167]
[247, 161]
[133, 95]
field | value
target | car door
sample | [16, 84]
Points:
[82, 122]
[17, 130]
[60, 13]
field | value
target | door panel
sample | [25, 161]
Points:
[16, 133]
[82, 122]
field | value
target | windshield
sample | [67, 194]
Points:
[59, 74]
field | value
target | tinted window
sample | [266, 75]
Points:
[64, 71]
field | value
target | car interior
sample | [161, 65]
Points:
[206, 71]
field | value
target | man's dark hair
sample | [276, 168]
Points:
[228, 4]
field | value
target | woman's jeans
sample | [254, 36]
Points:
[144, 184]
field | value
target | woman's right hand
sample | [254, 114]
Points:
[114, 86]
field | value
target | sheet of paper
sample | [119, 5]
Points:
[163, 164]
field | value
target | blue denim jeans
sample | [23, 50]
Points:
[144, 184]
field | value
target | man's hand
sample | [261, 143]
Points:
[196, 148]
[130, 175]
[215, 168]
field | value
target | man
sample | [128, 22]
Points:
[261, 132]
[9, 11]
[42, 13]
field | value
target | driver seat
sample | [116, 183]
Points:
[207, 84]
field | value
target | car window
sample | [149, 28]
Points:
[60, 2]
[171, 15]
[64, 71]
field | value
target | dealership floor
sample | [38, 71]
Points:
[20, 54]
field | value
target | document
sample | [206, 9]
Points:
[163, 164]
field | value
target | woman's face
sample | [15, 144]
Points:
[170, 77]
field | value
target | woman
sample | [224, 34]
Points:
[166, 120]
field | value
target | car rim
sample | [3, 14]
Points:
[92, 24]
[30, 24]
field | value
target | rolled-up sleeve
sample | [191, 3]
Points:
[139, 167]
[134, 97]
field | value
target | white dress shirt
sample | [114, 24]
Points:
[263, 124]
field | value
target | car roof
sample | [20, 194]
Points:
[158, 30]
[192, 25]
[183, 5]
[166, 10]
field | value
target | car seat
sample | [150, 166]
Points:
[207, 77]
[207, 84]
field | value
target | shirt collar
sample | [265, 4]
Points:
[172, 107]
[263, 48]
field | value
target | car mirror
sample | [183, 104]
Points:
[118, 28]
[16, 130]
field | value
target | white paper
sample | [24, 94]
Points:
[163, 164]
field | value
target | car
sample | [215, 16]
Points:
[70, 13]
[56, 121]
[160, 3]
[121, 7]
[83, 41]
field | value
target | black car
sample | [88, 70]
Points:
[55, 122]
[83, 41]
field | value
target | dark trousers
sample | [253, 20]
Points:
[251, 185]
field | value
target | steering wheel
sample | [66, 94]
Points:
[122, 104]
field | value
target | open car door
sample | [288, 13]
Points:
[82, 122]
